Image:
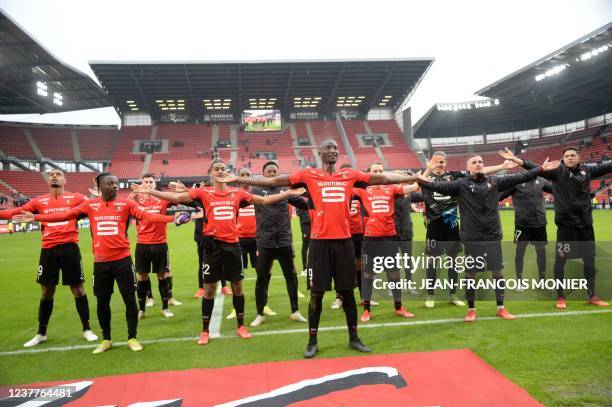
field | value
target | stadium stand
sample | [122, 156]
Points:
[398, 155]
[125, 163]
[30, 183]
[13, 142]
[96, 144]
[189, 147]
[53, 142]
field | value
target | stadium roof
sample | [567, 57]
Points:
[233, 86]
[570, 84]
[24, 63]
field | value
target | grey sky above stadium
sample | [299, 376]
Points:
[474, 42]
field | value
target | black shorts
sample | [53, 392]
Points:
[331, 259]
[65, 257]
[442, 239]
[248, 246]
[105, 273]
[376, 247]
[152, 258]
[574, 243]
[357, 240]
[222, 259]
[482, 256]
[267, 255]
[535, 235]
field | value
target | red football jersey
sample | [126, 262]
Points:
[247, 224]
[109, 223]
[355, 220]
[378, 201]
[331, 196]
[152, 232]
[54, 233]
[221, 208]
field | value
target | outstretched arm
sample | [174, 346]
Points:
[178, 197]
[264, 182]
[506, 165]
[141, 214]
[272, 199]
[389, 178]
[53, 217]
[601, 169]
[444, 187]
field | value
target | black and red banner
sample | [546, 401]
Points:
[442, 378]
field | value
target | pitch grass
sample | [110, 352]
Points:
[559, 360]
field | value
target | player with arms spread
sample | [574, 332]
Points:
[331, 254]
[109, 219]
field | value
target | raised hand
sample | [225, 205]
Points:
[550, 165]
[177, 186]
[24, 217]
[506, 154]
[296, 192]
[422, 178]
[509, 164]
[198, 214]
[141, 188]
[409, 188]
[229, 178]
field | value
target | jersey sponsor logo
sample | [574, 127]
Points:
[107, 228]
[224, 212]
[333, 194]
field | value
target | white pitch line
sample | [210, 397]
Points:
[217, 315]
[305, 330]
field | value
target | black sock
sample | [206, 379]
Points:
[291, 283]
[430, 274]
[260, 292]
[366, 305]
[541, 260]
[163, 292]
[169, 279]
[350, 311]
[589, 275]
[559, 274]
[207, 309]
[238, 303]
[519, 258]
[499, 292]
[397, 304]
[453, 277]
[104, 316]
[149, 290]
[131, 313]
[45, 308]
[314, 315]
[141, 290]
[82, 306]
[470, 292]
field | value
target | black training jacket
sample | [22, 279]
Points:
[528, 202]
[572, 190]
[478, 202]
[273, 222]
